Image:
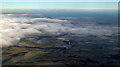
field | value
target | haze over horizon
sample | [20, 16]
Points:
[59, 5]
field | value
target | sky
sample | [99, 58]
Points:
[61, 4]
[59, 0]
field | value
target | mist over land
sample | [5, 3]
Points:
[16, 26]
[59, 37]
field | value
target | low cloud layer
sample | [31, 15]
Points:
[13, 28]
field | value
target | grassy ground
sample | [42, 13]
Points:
[63, 50]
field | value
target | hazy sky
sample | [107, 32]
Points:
[61, 4]
[59, 0]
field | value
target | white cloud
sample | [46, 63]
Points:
[13, 28]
